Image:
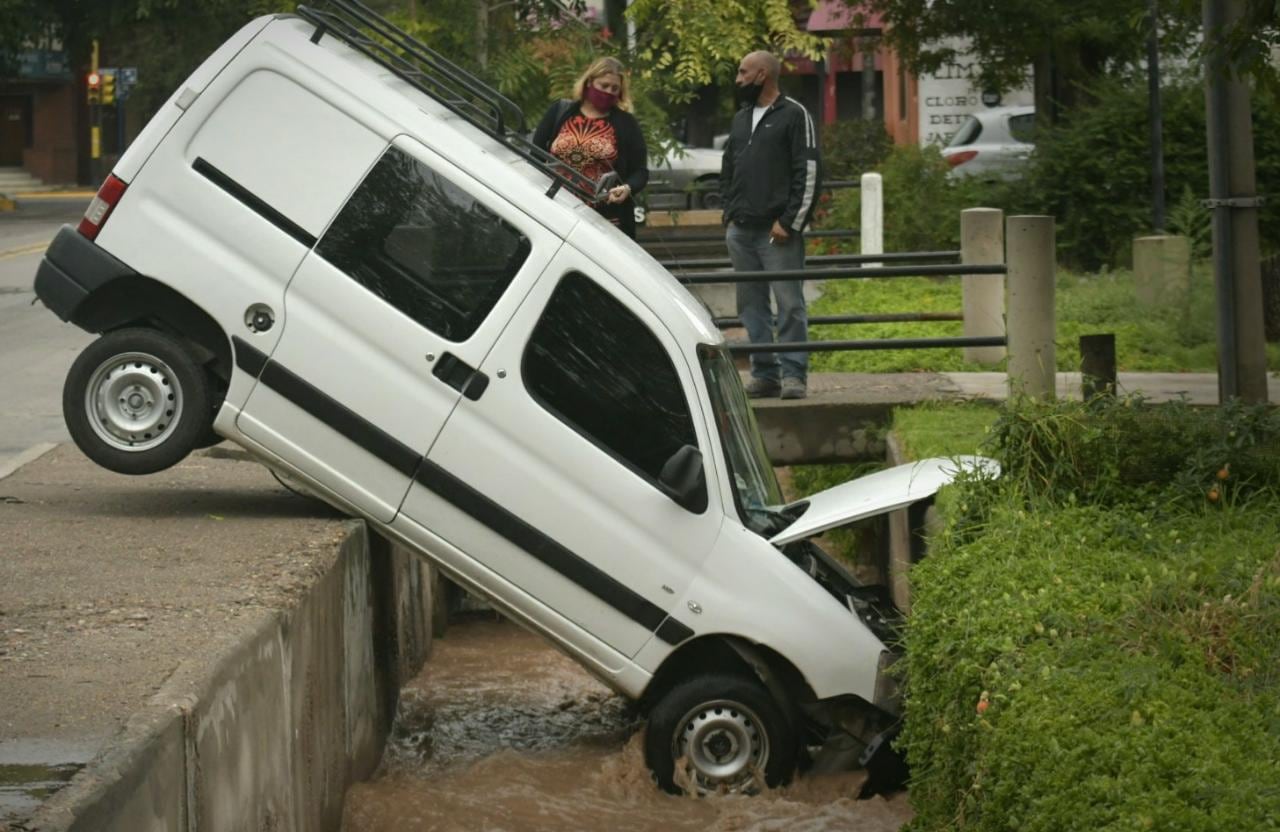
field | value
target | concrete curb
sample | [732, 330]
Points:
[25, 458]
[270, 734]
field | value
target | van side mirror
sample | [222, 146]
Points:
[684, 480]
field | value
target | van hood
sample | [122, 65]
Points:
[877, 493]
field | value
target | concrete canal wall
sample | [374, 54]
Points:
[270, 736]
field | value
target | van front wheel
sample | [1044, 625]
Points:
[719, 733]
[135, 402]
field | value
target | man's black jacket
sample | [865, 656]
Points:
[772, 173]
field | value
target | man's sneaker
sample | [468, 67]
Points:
[762, 388]
[793, 388]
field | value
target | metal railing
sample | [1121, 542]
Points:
[845, 267]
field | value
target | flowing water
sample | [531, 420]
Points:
[501, 732]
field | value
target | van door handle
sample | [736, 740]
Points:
[461, 376]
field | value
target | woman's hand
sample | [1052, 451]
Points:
[619, 194]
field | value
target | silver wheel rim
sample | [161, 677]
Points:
[133, 401]
[725, 746]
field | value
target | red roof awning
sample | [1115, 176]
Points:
[835, 16]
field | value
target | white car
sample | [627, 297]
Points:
[396, 299]
[993, 144]
[687, 177]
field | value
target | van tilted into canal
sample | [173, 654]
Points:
[341, 252]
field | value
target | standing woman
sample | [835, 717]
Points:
[595, 133]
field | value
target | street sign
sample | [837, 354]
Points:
[126, 80]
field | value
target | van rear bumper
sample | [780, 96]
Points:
[72, 269]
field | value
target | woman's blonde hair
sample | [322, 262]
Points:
[605, 66]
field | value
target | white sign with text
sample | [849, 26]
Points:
[948, 95]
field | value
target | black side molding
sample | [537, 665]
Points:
[73, 268]
[253, 202]
[333, 413]
[569, 564]
[407, 461]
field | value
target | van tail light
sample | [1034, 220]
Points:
[958, 159]
[96, 215]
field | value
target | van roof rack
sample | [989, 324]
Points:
[417, 64]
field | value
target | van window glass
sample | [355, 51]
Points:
[425, 246]
[599, 368]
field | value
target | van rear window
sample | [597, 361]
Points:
[425, 246]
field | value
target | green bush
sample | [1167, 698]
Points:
[853, 147]
[1093, 171]
[1111, 451]
[1127, 666]
[1092, 641]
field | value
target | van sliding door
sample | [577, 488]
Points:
[399, 301]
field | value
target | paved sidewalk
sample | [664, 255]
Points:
[110, 585]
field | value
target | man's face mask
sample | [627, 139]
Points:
[748, 93]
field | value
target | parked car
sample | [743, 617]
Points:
[687, 177]
[398, 301]
[993, 144]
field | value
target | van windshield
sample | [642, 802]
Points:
[755, 486]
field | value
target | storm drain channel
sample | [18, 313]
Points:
[502, 732]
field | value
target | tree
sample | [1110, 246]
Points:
[1066, 44]
[683, 45]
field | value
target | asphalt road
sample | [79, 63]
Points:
[35, 347]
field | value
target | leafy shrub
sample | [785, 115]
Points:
[1092, 641]
[1087, 668]
[1093, 171]
[853, 147]
[1112, 451]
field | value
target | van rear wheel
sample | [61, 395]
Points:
[719, 733]
[135, 401]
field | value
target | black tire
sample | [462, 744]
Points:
[136, 402]
[715, 717]
[217, 392]
[708, 194]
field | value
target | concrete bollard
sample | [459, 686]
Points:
[1032, 358]
[982, 243]
[1161, 269]
[872, 197]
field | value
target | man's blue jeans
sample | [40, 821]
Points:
[750, 251]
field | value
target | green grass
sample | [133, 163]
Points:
[944, 428]
[1177, 336]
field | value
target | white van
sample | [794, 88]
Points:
[337, 250]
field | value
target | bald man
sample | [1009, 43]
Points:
[769, 177]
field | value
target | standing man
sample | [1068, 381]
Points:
[770, 180]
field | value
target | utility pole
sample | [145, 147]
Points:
[1242, 365]
[867, 47]
[95, 117]
[1156, 118]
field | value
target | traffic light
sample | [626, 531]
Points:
[95, 88]
[108, 86]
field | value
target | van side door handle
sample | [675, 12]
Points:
[461, 376]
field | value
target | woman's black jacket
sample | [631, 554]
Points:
[632, 165]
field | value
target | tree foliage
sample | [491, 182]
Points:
[683, 45]
[1064, 45]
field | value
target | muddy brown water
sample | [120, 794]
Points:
[502, 732]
